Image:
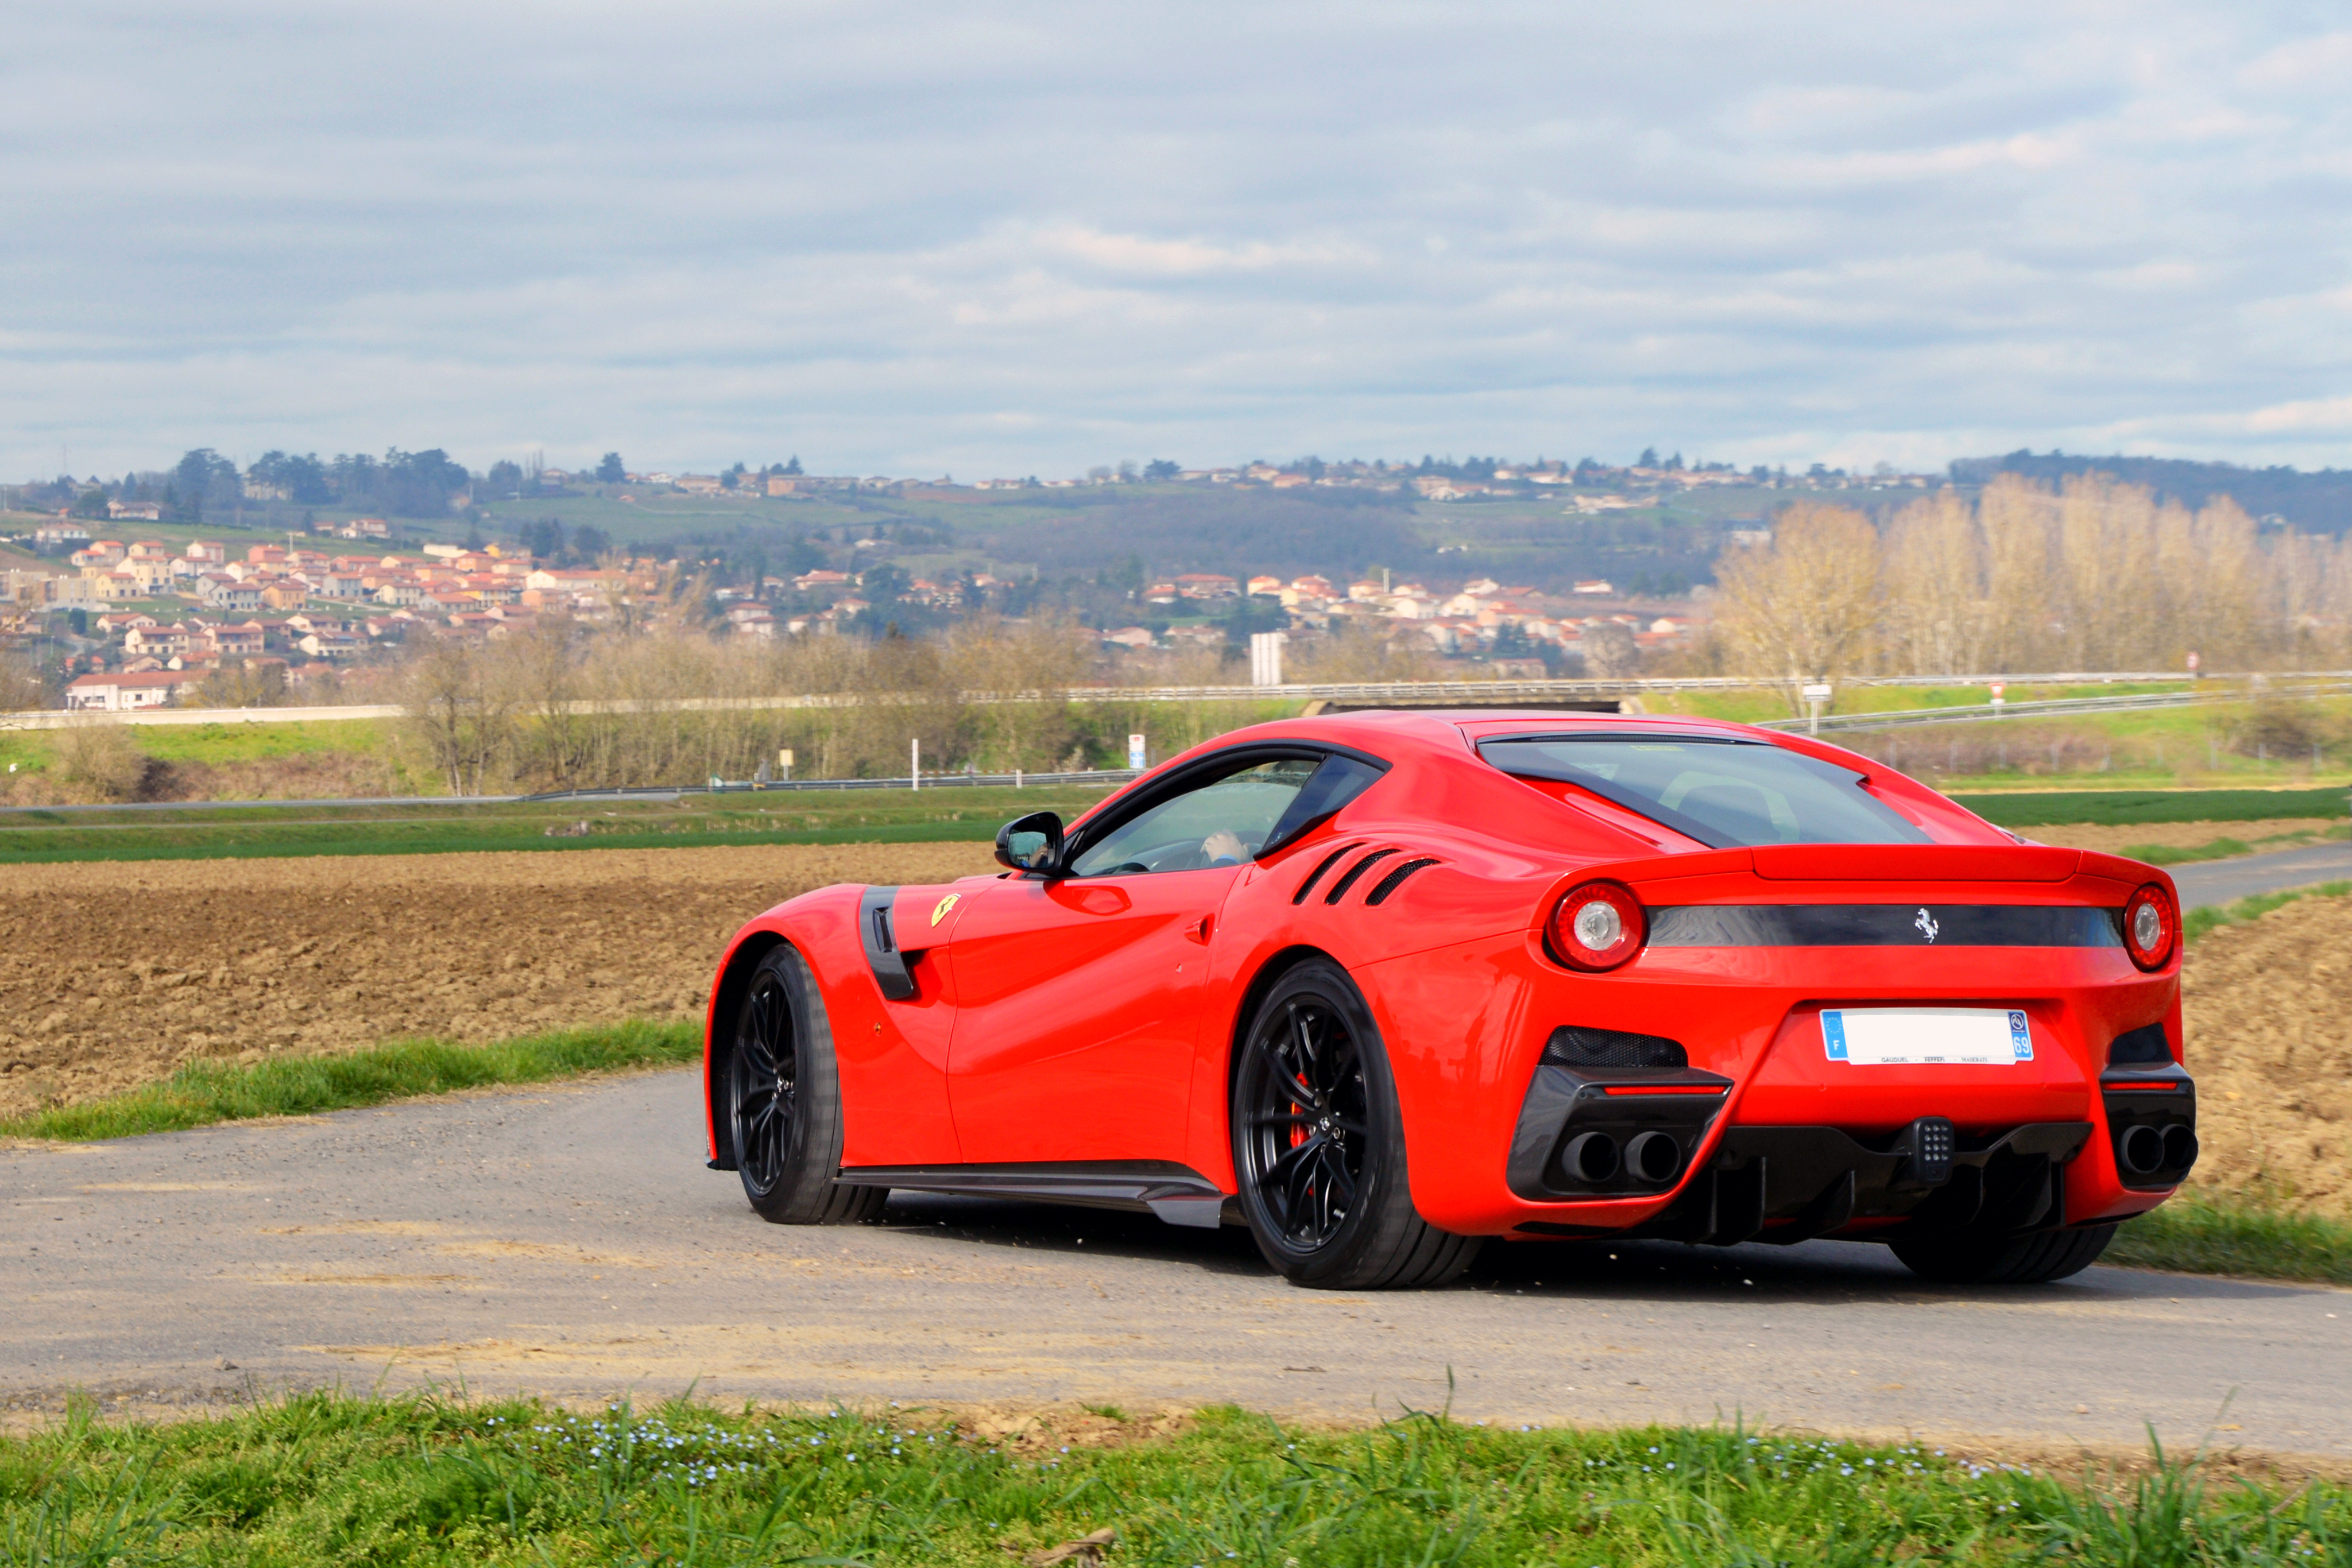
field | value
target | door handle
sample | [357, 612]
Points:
[1199, 930]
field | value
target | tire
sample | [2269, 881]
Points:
[784, 1101]
[2005, 1260]
[1318, 1144]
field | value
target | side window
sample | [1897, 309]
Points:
[1223, 821]
[1338, 780]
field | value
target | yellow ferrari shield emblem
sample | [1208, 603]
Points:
[939, 910]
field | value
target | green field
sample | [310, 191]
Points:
[2054, 808]
[423, 1480]
[931, 815]
[934, 814]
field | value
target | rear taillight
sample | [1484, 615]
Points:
[2151, 927]
[1598, 926]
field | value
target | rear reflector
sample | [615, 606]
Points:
[1665, 1088]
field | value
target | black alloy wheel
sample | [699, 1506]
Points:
[1318, 1143]
[1309, 1126]
[763, 1092]
[783, 1101]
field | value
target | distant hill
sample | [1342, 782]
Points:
[2318, 502]
[1340, 532]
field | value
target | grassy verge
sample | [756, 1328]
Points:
[210, 1091]
[420, 1481]
[2051, 808]
[2228, 849]
[2196, 923]
[2196, 1234]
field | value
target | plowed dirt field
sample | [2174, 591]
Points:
[2269, 1005]
[112, 974]
[116, 973]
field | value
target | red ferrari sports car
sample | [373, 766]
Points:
[1383, 984]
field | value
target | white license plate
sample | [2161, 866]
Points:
[1927, 1037]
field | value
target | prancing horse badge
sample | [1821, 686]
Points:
[939, 910]
[1925, 922]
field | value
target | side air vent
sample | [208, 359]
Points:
[1395, 878]
[880, 936]
[1349, 878]
[1326, 864]
[1571, 1045]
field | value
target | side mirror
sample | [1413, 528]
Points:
[1033, 843]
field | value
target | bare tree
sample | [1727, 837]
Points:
[20, 684]
[97, 757]
[1016, 677]
[1356, 650]
[243, 683]
[1805, 606]
[1610, 652]
[461, 710]
[1939, 618]
[546, 663]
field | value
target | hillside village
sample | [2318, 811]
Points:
[316, 615]
[162, 619]
[167, 620]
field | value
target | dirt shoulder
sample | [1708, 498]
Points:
[119, 972]
[2269, 1010]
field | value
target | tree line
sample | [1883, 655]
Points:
[2088, 574]
[562, 707]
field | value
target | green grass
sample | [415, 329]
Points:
[2198, 1233]
[219, 743]
[2053, 808]
[2215, 850]
[34, 750]
[2226, 848]
[210, 1091]
[249, 829]
[423, 1480]
[2196, 923]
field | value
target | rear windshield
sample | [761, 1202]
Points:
[1725, 793]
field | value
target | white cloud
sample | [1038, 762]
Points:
[914, 236]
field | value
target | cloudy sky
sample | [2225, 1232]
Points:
[988, 238]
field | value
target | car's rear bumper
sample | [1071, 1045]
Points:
[1794, 1143]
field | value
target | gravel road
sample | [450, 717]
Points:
[569, 1240]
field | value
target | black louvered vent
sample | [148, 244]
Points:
[1573, 1046]
[1326, 864]
[1395, 878]
[1348, 879]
